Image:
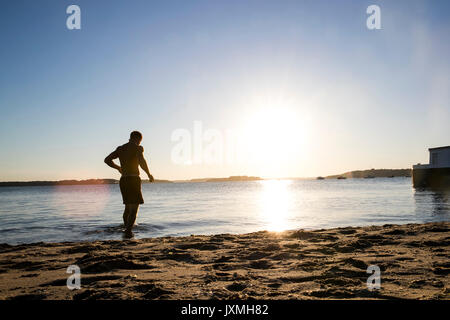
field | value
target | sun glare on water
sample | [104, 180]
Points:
[275, 202]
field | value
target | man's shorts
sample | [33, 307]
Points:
[130, 187]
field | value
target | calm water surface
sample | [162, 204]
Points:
[74, 213]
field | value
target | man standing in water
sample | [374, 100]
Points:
[131, 156]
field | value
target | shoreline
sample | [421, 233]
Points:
[298, 264]
[358, 174]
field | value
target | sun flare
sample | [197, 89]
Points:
[274, 135]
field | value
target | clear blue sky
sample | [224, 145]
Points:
[364, 98]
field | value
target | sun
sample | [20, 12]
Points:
[274, 135]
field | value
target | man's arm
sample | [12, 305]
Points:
[144, 166]
[109, 161]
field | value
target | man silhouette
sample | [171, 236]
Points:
[131, 156]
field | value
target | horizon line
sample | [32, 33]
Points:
[206, 178]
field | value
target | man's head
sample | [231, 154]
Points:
[136, 137]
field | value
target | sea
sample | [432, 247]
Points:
[94, 212]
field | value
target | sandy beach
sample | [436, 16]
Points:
[319, 264]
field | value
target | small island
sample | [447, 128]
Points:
[373, 173]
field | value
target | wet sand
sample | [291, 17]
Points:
[320, 264]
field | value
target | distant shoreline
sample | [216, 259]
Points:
[357, 174]
[67, 182]
[373, 173]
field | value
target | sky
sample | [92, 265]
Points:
[221, 88]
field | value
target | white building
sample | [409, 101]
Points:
[436, 173]
[439, 158]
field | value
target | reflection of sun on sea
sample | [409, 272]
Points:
[275, 202]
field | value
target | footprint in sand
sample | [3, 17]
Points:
[260, 264]
[237, 286]
[105, 263]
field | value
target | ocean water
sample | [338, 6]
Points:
[87, 213]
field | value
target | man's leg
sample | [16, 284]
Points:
[132, 213]
[125, 215]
